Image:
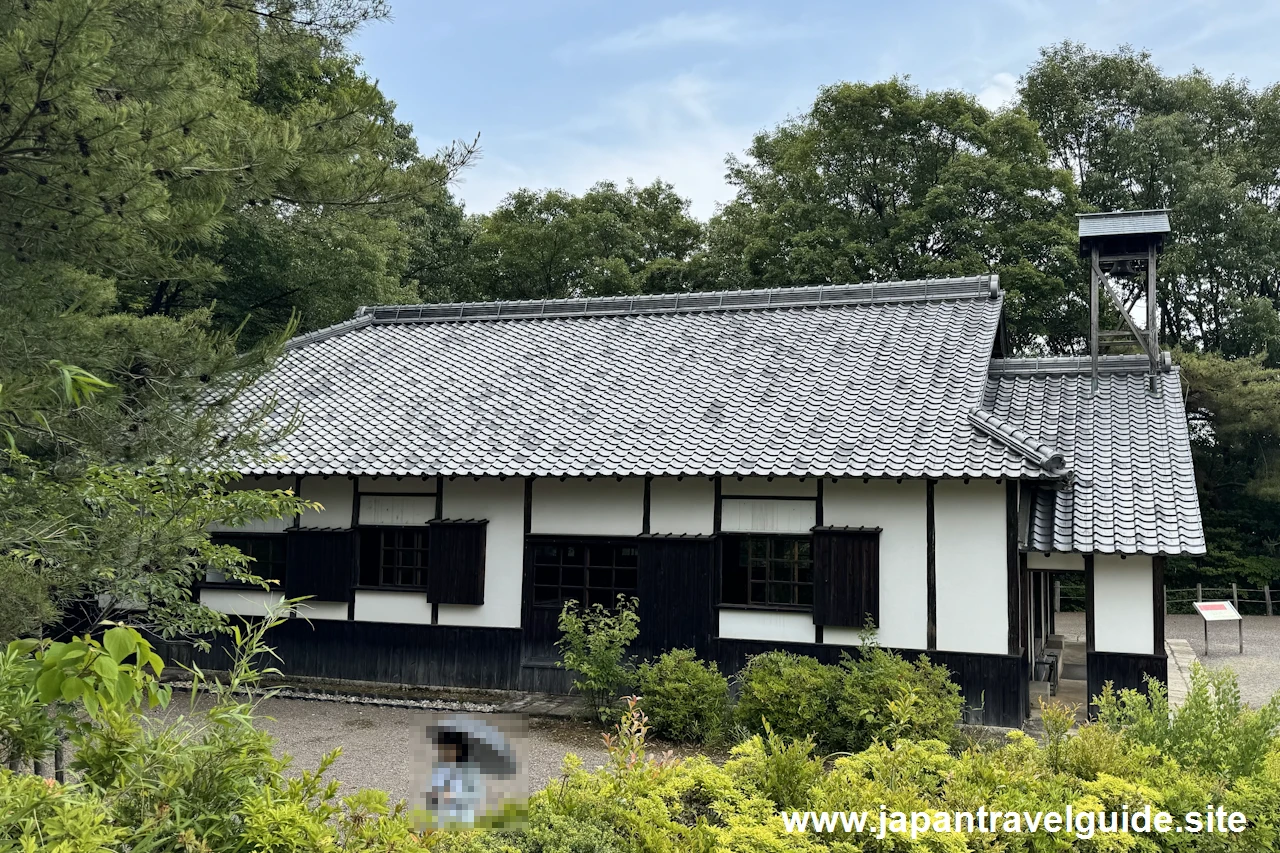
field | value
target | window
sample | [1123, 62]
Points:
[585, 570]
[394, 556]
[767, 571]
[267, 551]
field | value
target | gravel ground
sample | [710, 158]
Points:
[382, 746]
[1259, 666]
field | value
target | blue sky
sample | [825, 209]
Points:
[567, 93]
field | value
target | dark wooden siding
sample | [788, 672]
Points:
[676, 589]
[455, 568]
[1124, 671]
[998, 684]
[321, 564]
[846, 576]
[545, 678]
[450, 656]
[438, 655]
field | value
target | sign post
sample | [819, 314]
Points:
[1219, 611]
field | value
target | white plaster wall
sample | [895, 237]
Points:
[322, 610]
[763, 625]
[384, 605]
[268, 525]
[602, 506]
[502, 503]
[1122, 605]
[398, 509]
[972, 566]
[685, 506]
[766, 487]
[761, 515]
[899, 509]
[400, 486]
[1055, 561]
[335, 494]
[240, 602]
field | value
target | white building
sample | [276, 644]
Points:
[762, 469]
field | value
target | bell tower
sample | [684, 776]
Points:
[1122, 248]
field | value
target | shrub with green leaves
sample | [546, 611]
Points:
[593, 644]
[793, 693]
[205, 782]
[780, 769]
[882, 696]
[1213, 730]
[686, 699]
[211, 783]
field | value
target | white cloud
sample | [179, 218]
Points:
[716, 28]
[998, 91]
[670, 129]
[686, 29]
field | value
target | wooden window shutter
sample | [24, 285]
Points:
[455, 568]
[676, 589]
[320, 564]
[846, 576]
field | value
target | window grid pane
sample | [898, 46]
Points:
[778, 569]
[403, 558]
[585, 571]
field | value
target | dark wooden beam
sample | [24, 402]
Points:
[644, 523]
[1027, 622]
[1012, 564]
[817, 509]
[528, 505]
[297, 493]
[715, 518]
[439, 496]
[1157, 604]
[930, 567]
[1088, 603]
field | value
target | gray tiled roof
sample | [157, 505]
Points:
[1123, 222]
[886, 380]
[866, 380]
[1133, 487]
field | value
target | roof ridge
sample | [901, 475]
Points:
[1020, 441]
[1072, 364]
[357, 322]
[987, 286]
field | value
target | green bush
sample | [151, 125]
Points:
[208, 782]
[593, 643]
[881, 696]
[793, 693]
[686, 699]
[638, 804]
[30, 808]
[782, 770]
[876, 696]
[1213, 730]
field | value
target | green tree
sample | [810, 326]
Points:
[608, 241]
[881, 181]
[167, 169]
[1135, 137]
